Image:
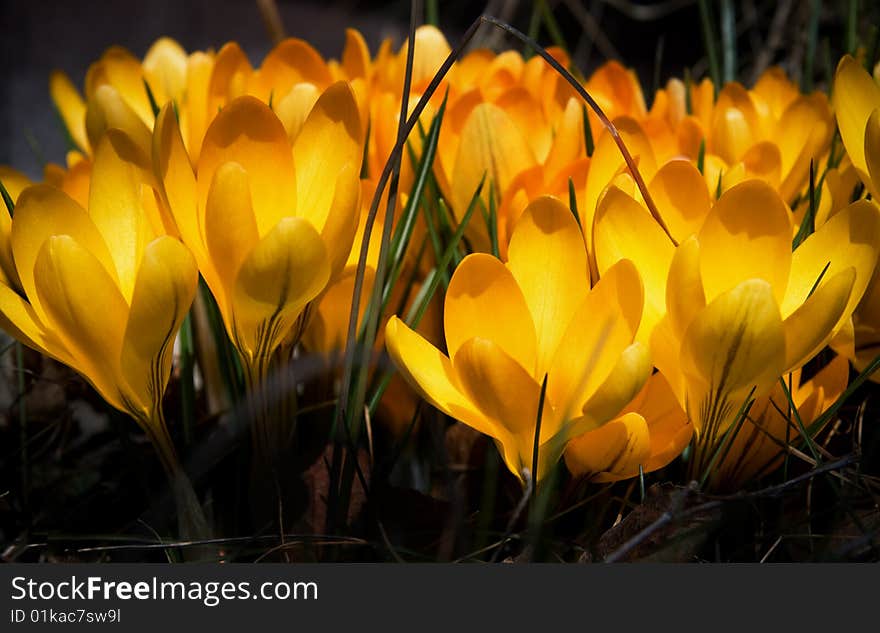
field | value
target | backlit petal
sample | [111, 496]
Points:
[70, 106]
[613, 451]
[855, 96]
[682, 198]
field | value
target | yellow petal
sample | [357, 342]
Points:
[116, 209]
[507, 395]
[327, 330]
[735, 343]
[107, 109]
[624, 229]
[329, 142]
[682, 198]
[492, 145]
[165, 67]
[667, 422]
[121, 70]
[480, 290]
[612, 452]
[763, 160]
[632, 369]
[283, 273]
[854, 97]
[341, 224]
[356, 55]
[684, 291]
[230, 227]
[430, 373]
[810, 327]
[803, 135]
[247, 132]
[747, 236]
[293, 108]
[851, 238]
[18, 318]
[85, 309]
[165, 287]
[600, 331]
[229, 75]
[290, 62]
[70, 106]
[43, 211]
[548, 261]
[196, 114]
[735, 124]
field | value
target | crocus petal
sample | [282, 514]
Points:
[668, 423]
[624, 229]
[506, 394]
[612, 452]
[230, 226]
[682, 198]
[480, 289]
[737, 342]
[341, 225]
[165, 287]
[85, 309]
[172, 166]
[283, 273]
[247, 132]
[355, 55]
[548, 260]
[106, 110]
[750, 226]
[18, 318]
[43, 211]
[632, 369]
[70, 106]
[115, 207]
[602, 327]
[855, 96]
[229, 75]
[849, 238]
[293, 108]
[330, 141]
[290, 62]
[810, 327]
[165, 67]
[431, 373]
[121, 70]
[684, 287]
[492, 145]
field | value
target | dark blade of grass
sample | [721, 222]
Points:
[728, 40]
[573, 203]
[688, 100]
[22, 425]
[812, 40]
[537, 443]
[355, 378]
[365, 162]
[153, 105]
[69, 143]
[851, 40]
[400, 240]
[589, 144]
[808, 223]
[658, 63]
[7, 200]
[432, 15]
[187, 386]
[873, 49]
[492, 220]
[723, 447]
[701, 156]
[534, 28]
[709, 41]
[808, 438]
[230, 366]
[552, 25]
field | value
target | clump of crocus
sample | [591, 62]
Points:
[512, 328]
[269, 222]
[741, 309]
[103, 290]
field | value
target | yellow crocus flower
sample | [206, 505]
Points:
[270, 223]
[101, 289]
[509, 326]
